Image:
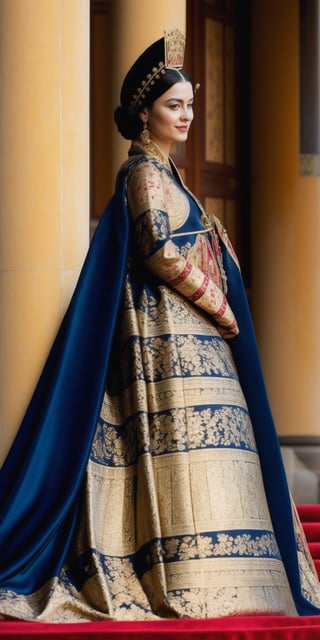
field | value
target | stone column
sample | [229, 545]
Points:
[285, 224]
[44, 185]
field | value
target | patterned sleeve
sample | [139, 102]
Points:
[147, 207]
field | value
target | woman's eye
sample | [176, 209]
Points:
[175, 106]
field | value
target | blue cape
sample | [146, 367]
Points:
[41, 479]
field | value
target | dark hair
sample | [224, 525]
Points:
[127, 118]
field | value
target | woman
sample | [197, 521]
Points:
[151, 479]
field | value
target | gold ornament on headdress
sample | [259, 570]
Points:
[174, 44]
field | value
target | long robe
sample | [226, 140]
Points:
[146, 479]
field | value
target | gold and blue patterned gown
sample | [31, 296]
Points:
[174, 521]
[177, 505]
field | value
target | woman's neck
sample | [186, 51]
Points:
[165, 149]
[151, 148]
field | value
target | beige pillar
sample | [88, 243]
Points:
[44, 185]
[136, 24]
[285, 225]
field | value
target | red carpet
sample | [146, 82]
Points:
[237, 628]
[242, 628]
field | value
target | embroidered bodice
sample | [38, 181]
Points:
[176, 238]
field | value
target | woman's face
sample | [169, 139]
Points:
[170, 116]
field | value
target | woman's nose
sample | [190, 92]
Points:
[185, 113]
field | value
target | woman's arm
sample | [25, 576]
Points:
[147, 206]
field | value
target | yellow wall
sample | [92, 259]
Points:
[285, 225]
[44, 185]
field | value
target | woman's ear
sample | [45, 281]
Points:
[143, 115]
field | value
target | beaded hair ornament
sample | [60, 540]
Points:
[174, 45]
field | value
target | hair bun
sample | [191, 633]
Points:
[129, 124]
